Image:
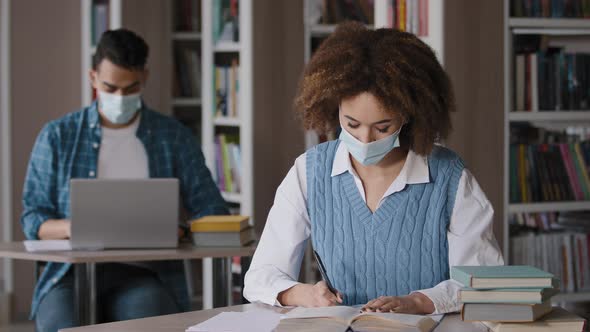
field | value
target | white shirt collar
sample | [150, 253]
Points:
[414, 171]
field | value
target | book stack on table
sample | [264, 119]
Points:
[512, 298]
[222, 231]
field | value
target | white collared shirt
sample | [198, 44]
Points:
[277, 261]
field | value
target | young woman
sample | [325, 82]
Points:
[387, 209]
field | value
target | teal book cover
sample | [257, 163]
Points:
[466, 274]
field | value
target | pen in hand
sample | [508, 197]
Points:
[324, 273]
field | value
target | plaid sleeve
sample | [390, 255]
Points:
[40, 193]
[199, 192]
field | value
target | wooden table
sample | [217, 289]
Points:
[180, 322]
[84, 263]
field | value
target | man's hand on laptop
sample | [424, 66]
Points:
[55, 229]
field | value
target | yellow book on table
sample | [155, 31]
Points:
[219, 224]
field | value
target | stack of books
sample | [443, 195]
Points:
[512, 298]
[222, 231]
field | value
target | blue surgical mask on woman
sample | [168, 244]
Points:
[369, 153]
[118, 109]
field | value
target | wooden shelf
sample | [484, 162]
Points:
[226, 47]
[324, 30]
[571, 297]
[186, 101]
[548, 207]
[549, 23]
[560, 116]
[195, 36]
[231, 197]
[227, 121]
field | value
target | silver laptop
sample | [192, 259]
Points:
[109, 214]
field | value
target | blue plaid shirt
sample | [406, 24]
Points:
[68, 148]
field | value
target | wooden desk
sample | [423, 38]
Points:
[180, 322]
[84, 263]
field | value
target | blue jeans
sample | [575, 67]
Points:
[123, 292]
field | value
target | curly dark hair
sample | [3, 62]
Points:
[396, 67]
[123, 48]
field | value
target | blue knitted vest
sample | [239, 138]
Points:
[400, 248]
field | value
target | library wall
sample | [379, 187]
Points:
[45, 55]
[278, 63]
[473, 52]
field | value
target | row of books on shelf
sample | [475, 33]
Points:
[187, 74]
[565, 254]
[512, 298]
[337, 11]
[99, 17]
[226, 21]
[552, 79]
[228, 163]
[549, 172]
[551, 8]
[227, 84]
[409, 15]
[187, 15]
[578, 221]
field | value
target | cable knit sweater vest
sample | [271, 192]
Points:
[400, 248]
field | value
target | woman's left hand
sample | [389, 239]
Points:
[415, 303]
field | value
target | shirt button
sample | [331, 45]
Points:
[92, 125]
[54, 280]
[91, 173]
[95, 145]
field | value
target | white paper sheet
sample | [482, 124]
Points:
[47, 245]
[247, 321]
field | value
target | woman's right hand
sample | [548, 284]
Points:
[307, 295]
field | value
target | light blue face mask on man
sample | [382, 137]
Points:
[118, 109]
[369, 153]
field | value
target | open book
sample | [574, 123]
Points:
[342, 319]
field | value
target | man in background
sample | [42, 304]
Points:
[116, 137]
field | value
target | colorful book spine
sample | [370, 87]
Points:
[423, 31]
[573, 177]
[402, 15]
[225, 164]
[581, 168]
[219, 164]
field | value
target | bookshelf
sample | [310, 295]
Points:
[525, 102]
[227, 108]
[97, 16]
[191, 49]
[198, 50]
[185, 65]
[222, 57]
[383, 15]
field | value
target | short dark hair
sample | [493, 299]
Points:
[123, 48]
[396, 67]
